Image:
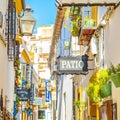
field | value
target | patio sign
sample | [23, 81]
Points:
[72, 64]
[87, 2]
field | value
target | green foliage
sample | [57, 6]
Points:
[113, 69]
[114, 73]
[17, 101]
[79, 104]
[89, 21]
[100, 76]
[103, 76]
[74, 11]
[76, 25]
[17, 62]
[98, 79]
[14, 118]
[18, 73]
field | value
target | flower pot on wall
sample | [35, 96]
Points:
[66, 44]
[116, 79]
[105, 90]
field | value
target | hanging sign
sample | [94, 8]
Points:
[72, 64]
[22, 94]
[37, 101]
[32, 94]
[47, 92]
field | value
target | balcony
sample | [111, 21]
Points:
[88, 27]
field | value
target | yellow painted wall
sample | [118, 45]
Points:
[95, 13]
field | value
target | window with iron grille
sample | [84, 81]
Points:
[10, 31]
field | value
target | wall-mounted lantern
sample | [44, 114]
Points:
[27, 22]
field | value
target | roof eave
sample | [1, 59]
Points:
[57, 30]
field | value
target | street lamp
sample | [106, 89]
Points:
[27, 22]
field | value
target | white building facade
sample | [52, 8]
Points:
[111, 45]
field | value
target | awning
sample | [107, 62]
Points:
[19, 39]
[25, 56]
[87, 2]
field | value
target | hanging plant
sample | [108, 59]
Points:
[17, 73]
[105, 90]
[76, 20]
[114, 72]
[93, 92]
[99, 78]
[17, 101]
[74, 11]
[76, 25]
[16, 62]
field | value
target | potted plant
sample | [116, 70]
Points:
[114, 73]
[80, 105]
[105, 87]
[93, 92]
[95, 89]
[89, 22]
[105, 90]
[16, 62]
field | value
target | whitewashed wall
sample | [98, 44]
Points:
[64, 109]
[6, 68]
[3, 8]
[112, 50]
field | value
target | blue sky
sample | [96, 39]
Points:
[44, 11]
